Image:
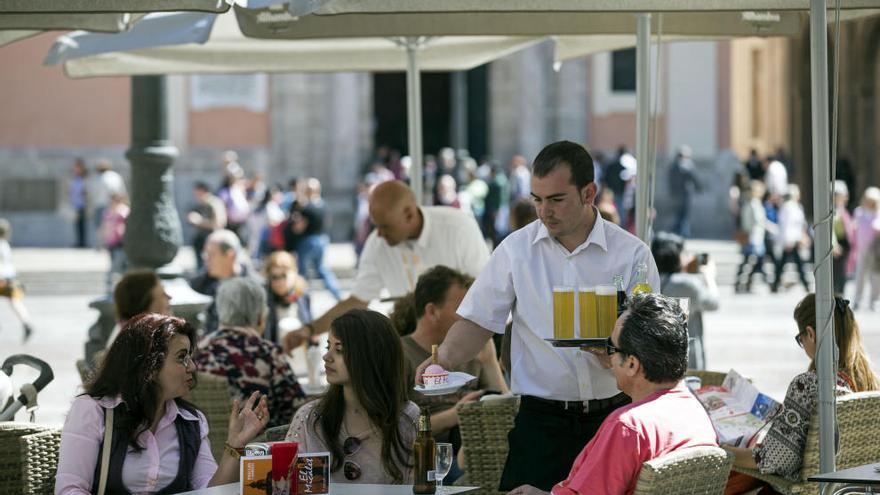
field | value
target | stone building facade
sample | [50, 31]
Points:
[720, 97]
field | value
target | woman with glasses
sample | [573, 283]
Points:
[782, 450]
[157, 442]
[289, 301]
[364, 420]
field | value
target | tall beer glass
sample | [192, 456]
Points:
[606, 302]
[588, 313]
[563, 312]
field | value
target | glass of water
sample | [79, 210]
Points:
[444, 462]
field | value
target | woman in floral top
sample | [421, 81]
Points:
[238, 351]
[782, 450]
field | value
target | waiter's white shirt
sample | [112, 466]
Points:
[520, 277]
[449, 237]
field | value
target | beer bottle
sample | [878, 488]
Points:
[424, 457]
[642, 286]
[621, 294]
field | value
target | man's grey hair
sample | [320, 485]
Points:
[225, 240]
[241, 301]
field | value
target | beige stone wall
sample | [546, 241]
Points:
[759, 95]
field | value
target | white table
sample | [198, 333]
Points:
[346, 489]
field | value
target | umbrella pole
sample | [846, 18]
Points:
[414, 117]
[643, 116]
[826, 349]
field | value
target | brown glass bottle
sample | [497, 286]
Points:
[424, 457]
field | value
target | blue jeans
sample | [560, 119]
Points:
[310, 253]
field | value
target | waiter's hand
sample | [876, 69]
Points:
[527, 490]
[427, 362]
[294, 339]
[601, 355]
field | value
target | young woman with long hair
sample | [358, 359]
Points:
[159, 441]
[782, 450]
[364, 420]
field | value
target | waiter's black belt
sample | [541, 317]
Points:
[573, 406]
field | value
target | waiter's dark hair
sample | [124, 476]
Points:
[654, 330]
[575, 156]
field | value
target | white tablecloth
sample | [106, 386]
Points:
[346, 489]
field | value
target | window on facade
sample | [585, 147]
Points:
[623, 70]
[24, 194]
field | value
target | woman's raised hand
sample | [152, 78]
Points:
[247, 421]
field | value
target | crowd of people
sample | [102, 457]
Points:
[591, 415]
[772, 229]
[770, 220]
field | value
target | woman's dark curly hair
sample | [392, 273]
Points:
[131, 366]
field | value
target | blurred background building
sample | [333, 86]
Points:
[722, 98]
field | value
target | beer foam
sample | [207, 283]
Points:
[606, 290]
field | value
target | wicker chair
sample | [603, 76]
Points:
[859, 443]
[484, 427]
[11, 463]
[213, 397]
[40, 454]
[694, 470]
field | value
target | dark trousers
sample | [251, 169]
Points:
[80, 228]
[545, 441]
[792, 255]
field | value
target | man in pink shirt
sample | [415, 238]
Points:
[647, 352]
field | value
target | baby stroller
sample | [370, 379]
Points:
[9, 404]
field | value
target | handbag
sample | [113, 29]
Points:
[105, 453]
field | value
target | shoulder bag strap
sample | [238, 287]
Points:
[105, 453]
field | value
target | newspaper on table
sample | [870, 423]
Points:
[738, 410]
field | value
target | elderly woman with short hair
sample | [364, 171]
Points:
[238, 351]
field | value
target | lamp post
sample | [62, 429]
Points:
[153, 232]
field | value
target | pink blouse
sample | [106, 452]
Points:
[145, 472]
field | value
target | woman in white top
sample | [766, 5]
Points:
[792, 236]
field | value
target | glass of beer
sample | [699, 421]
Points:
[606, 309]
[563, 312]
[587, 307]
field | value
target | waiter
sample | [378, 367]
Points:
[409, 239]
[566, 393]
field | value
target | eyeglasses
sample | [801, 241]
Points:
[799, 338]
[278, 276]
[350, 447]
[612, 349]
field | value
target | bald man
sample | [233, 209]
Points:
[407, 241]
